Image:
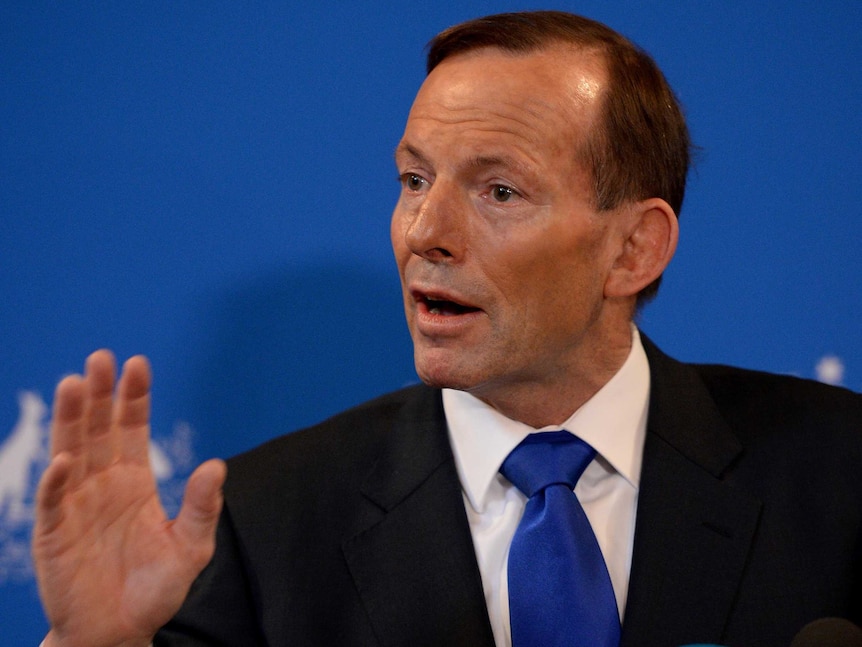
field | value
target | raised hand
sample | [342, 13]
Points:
[111, 567]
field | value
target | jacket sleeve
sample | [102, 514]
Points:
[220, 609]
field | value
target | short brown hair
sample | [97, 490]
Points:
[642, 146]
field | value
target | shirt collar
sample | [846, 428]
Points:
[613, 421]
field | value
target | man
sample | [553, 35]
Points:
[542, 166]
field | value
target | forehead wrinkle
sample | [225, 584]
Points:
[520, 140]
[524, 114]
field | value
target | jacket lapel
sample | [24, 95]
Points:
[693, 530]
[412, 557]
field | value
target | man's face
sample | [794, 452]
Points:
[503, 259]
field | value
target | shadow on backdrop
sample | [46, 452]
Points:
[290, 349]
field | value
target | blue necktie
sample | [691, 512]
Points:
[560, 593]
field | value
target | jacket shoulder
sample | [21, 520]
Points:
[341, 447]
[767, 398]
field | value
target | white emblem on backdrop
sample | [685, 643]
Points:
[23, 458]
[830, 369]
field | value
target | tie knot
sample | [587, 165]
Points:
[547, 458]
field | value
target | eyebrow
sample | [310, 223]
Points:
[490, 161]
[404, 148]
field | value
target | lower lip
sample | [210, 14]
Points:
[431, 323]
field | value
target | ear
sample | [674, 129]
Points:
[649, 230]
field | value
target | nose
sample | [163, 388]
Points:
[435, 228]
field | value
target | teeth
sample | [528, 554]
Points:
[434, 311]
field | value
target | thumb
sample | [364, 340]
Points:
[196, 522]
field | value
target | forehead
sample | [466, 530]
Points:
[545, 100]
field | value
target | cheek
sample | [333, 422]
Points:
[394, 229]
[559, 286]
[396, 238]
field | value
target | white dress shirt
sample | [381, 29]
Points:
[613, 422]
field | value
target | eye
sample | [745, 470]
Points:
[412, 182]
[502, 193]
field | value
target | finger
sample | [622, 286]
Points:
[132, 410]
[67, 423]
[50, 493]
[67, 414]
[195, 525]
[99, 439]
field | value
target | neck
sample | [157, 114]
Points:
[550, 401]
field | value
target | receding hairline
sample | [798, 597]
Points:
[595, 51]
[523, 32]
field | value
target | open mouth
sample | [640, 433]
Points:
[445, 308]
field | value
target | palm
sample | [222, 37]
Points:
[112, 568]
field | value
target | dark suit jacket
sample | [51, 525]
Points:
[354, 532]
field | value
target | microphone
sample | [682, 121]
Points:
[829, 632]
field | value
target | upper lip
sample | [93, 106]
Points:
[422, 294]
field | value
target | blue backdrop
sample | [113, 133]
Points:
[210, 184]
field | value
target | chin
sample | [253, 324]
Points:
[442, 376]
